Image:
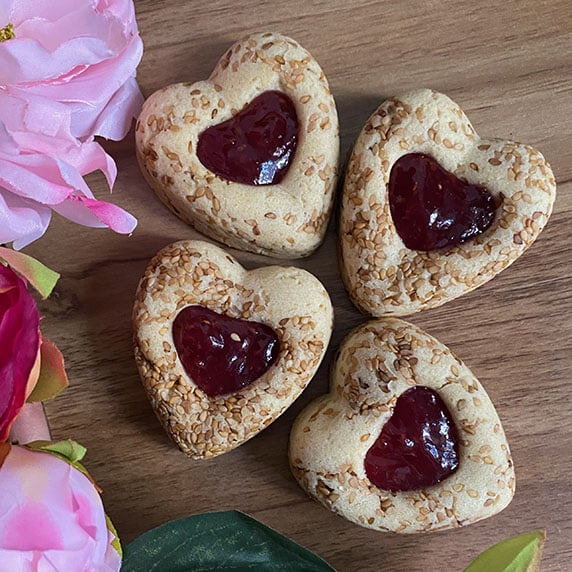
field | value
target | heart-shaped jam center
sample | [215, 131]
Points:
[222, 354]
[257, 145]
[432, 208]
[418, 446]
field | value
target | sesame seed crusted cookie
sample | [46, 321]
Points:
[381, 274]
[287, 219]
[376, 364]
[194, 273]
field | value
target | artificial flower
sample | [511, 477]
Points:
[31, 367]
[51, 513]
[81, 54]
[19, 346]
[67, 74]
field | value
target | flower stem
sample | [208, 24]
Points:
[7, 33]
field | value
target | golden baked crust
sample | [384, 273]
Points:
[381, 274]
[376, 363]
[290, 300]
[288, 219]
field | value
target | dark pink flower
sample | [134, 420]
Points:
[19, 346]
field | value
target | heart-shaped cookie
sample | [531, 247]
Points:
[250, 156]
[407, 440]
[430, 210]
[223, 351]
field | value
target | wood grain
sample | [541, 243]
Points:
[509, 66]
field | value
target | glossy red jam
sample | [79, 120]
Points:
[223, 355]
[432, 208]
[418, 446]
[256, 146]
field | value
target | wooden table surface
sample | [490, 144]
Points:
[509, 66]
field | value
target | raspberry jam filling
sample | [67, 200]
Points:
[257, 145]
[432, 208]
[221, 354]
[418, 446]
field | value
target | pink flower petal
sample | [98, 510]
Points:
[21, 221]
[91, 212]
[25, 60]
[6, 11]
[116, 113]
[30, 528]
[35, 116]
[89, 158]
[123, 10]
[35, 177]
[30, 425]
[39, 179]
[7, 144]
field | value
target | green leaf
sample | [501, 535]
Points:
[228, 540]
[69, 450]
[517, 554]
[39, 276]
[115, 542]
[53, 377]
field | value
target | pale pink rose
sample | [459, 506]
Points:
[51, 516]
[67, 75]
[81, 53]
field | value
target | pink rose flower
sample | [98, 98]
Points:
[80, 53]
[51, 515]
[67, 73]
[19, 347]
